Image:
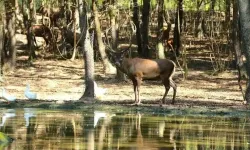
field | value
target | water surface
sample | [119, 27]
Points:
[107, 130]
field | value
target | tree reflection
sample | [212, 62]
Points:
[132, 130]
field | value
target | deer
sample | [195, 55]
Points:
[138, 69]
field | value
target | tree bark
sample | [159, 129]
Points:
[178, 27]
[89, 68]
[244, 11]
[235, 35]
[227, 16]
[200, 26]
[138, 28]
[212, 5]
[108, 68]
[145, 28]
[160, 48]
[11, 27]
[25, 14]
[75, 24]
[1, 46]
[30, 35]
[88, 53]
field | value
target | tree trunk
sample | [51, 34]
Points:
[138, 28]
[212, 5]
[244, 11]
[88, 53]
[108, 68]
[16, 7]
[30, 35]
[89, 67]
[178, 28]
[75, 24]
[145, 28]
[236, 45]
[1, 46]
[200, 25]
[11, 27]
[235, 35]
[25, 14]
[227, 16]
[160, 48]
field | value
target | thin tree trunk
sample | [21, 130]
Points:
[235, 35]
[160, 48]
[212, 5]
[244, 11]
[145, 28]
[88, 51]
[16, 7]
[178, 28]
[1, 46]
[11, 27]
[108, 68]
[227, 16]
[31, 37]
[25, 14]
[236, 44]
[89, 68]
[138, 28]
[75, 26]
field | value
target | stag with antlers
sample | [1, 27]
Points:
[138, 69]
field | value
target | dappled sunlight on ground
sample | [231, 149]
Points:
[64, 80]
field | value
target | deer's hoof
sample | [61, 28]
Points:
[137, 104]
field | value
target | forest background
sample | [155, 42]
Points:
[201, 36]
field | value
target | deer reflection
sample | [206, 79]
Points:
[161, 128]
[139, 138]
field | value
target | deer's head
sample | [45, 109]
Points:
[116, 57]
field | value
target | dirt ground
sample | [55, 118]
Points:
[63, 81]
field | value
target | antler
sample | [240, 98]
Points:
[107, 39]
[133, 27]
[122, 52]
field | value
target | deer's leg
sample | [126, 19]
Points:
[135, 89]
[174, 86]
[139, 81]
[166, 83]
[138, 78]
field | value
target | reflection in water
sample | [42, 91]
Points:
[6, 115]
[28, 114]
[56, 130]
[98, 115]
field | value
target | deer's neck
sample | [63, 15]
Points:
[124, 66]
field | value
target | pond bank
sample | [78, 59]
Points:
[177, 109]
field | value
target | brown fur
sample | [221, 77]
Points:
[138, 69]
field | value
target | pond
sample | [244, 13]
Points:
[47, 129]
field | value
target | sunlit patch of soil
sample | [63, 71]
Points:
[64, 80]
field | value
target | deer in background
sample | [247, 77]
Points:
[138, 69]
